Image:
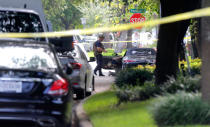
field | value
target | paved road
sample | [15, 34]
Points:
[101, 84]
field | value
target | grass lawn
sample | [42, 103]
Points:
[103, 113]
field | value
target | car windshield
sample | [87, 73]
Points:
[90, 38]
[35, 58]
[20, 22]
[141, 52]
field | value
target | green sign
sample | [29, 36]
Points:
[137, 10]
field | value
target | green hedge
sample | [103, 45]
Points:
[133, 77]
[149, 89]
[181, 109]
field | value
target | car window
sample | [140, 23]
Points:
[76, 52]
[142, 52]
[64, 60]
[17, 57]
[82, 55]
[20, 22]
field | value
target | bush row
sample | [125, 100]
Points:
[181, 109]
[195, 66]
[149, 89]
[175, 107]
[133, 77]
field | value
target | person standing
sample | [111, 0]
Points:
[98, 48]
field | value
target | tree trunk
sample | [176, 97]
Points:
[198, 37]
[170, 38]
[205, 30]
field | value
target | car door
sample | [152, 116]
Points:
[86, 68]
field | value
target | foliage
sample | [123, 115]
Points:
[133, 77]
[102, 110]
[110, 52]
[122, 13]
[181, 109]
[113, 12]
[195, 66]
[150, 68]
[182, 83]
[136, 93]
[149, 89]
[62, 14]
[96, 13]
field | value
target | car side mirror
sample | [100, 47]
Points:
[68, 69]
[92, 59]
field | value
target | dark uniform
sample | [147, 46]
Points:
[98, 56]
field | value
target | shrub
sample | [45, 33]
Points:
[181, 109]
[188, 84]
[135, 93]
[195, 66]
[133, 77]
[149, 68]
[149, 89]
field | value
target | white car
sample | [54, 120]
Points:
[82, 76]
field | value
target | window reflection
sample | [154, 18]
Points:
[27, 58]
[20, 22]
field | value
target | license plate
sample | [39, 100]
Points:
[10, 86]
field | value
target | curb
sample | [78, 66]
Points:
[81, 117]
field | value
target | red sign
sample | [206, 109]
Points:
[136, 18]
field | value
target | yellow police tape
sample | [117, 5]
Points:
[154, 40]
[178, 17]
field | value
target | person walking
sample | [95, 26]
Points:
[98, 48]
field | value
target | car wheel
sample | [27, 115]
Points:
[93, 83]
[80, 94]
[93, 87]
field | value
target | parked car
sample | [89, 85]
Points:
[86, 40]
[138, 56]
[82, 76]
[34, 89]
[21, 21]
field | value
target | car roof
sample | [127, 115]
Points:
[141, 48]
[22, 42]
[19, 10]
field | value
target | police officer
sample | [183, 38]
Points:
[98, 48]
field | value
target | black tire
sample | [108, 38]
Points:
[80, 94]
[87, 93]
[93, 83]
[93, 87]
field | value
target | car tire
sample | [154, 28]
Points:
[93, 87]
[80, 94]
[93, 83]
[83, 92]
